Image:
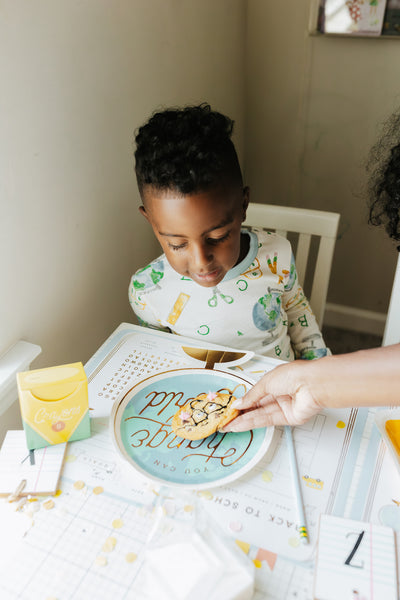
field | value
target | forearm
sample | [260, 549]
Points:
[363, 378]
[294, 392]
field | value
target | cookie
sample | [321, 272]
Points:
[204, 415]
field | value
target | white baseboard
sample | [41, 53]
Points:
[354, 319]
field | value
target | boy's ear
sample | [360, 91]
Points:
[143, 212]
[246, 200]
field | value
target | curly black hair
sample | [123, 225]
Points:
[384, 179]
[186, 149]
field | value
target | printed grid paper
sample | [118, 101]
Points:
[60, 554]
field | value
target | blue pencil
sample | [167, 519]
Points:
[296, 485]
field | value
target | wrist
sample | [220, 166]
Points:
[313, 376]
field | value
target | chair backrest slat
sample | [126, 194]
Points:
[303, 249]
[321, 278]
[306, 223]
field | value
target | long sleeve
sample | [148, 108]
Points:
[140, 287]
[305, 336]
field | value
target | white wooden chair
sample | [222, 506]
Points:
[306, 223]
[391, 334]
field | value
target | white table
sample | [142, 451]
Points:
[64, 554]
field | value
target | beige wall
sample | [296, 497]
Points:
[77, 79]
[314, 106]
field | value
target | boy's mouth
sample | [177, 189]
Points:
[208, 278]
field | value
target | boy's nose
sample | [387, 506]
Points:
[201, 257]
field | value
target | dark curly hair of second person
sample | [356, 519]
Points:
[186, 149]
[384, 180]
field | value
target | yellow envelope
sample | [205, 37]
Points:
[54, 404]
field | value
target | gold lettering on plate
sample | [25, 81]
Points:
[155, 432]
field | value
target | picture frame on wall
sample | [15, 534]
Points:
[353, 17]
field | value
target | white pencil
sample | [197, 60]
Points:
[296, 485]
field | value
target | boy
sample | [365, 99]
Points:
[215, 281]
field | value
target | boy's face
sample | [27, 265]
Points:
[200, 232]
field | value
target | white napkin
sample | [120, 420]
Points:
[194, 563]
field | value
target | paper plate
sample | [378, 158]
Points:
[141, 431]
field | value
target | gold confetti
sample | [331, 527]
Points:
[188, 508]
[101, 561]
[58, 493]
[130, 557]
[117, 523]
[70, 458]
[48, 505]
[257, 563]
[98, 490]
[109, 544]
[267, 476]
[79, 485]
[206, 494]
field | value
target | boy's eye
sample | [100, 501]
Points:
[178, 247]
[215, 241]
[210, 241]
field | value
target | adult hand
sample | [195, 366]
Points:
[281, 397]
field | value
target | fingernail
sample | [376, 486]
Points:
[237, 404]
